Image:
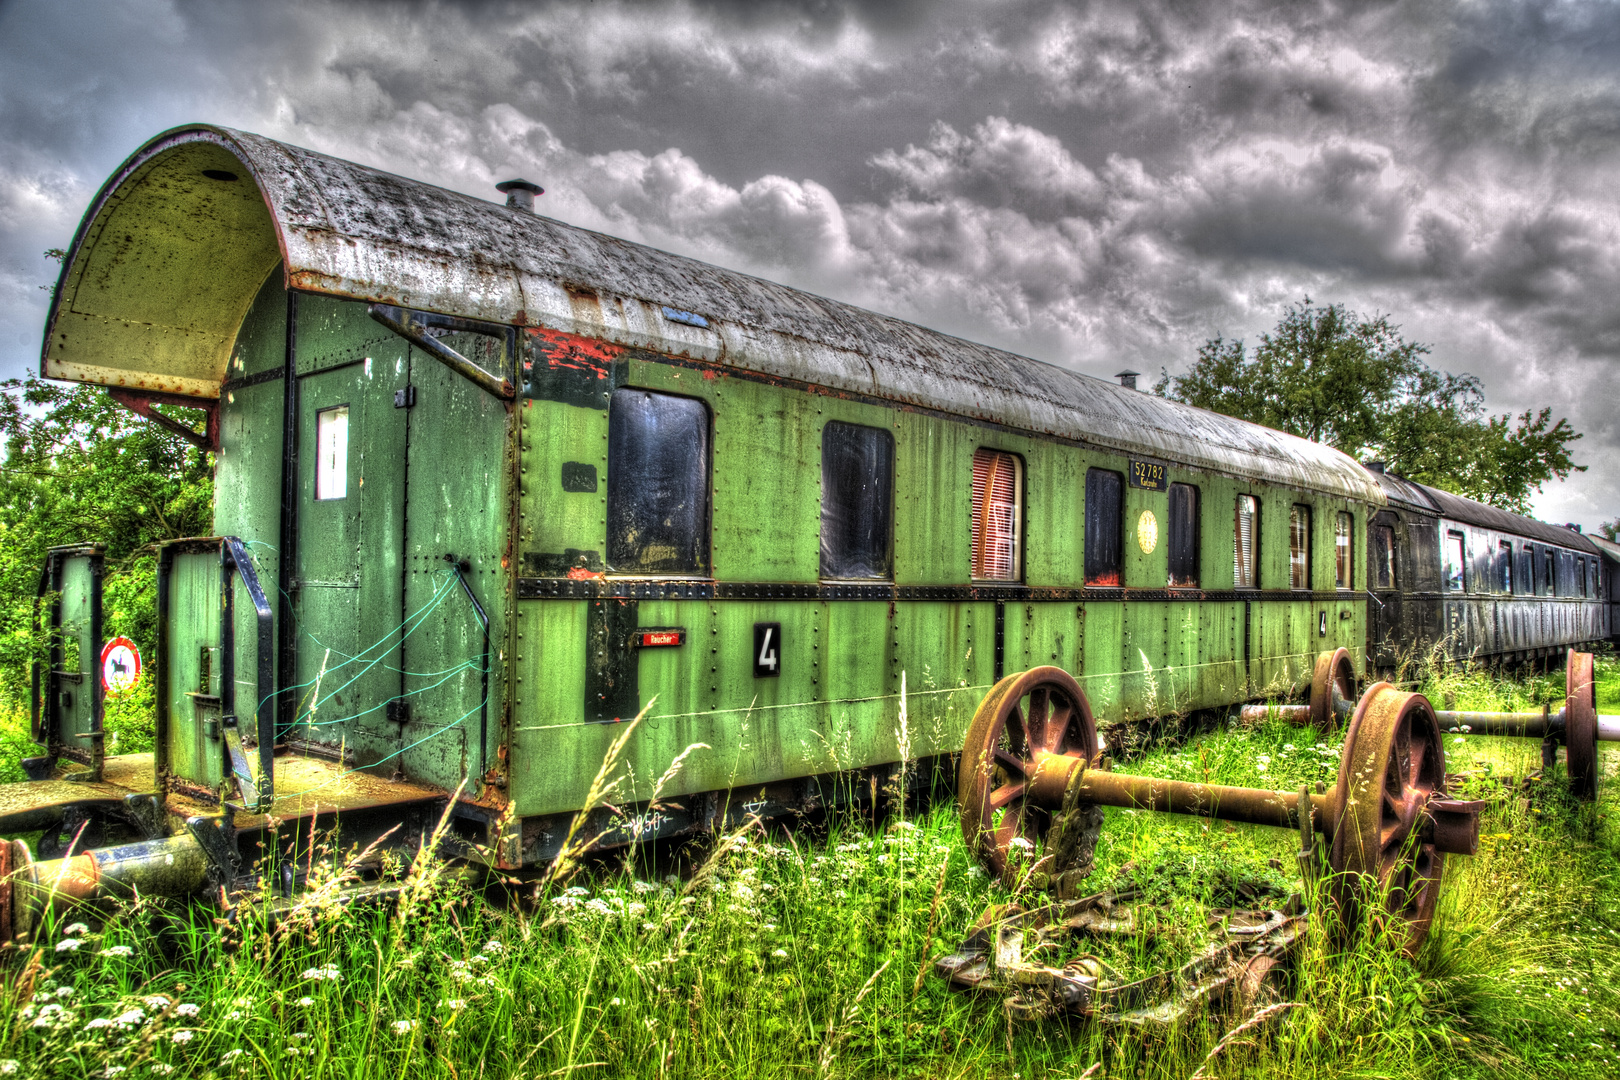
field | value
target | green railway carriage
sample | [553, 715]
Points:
[498, 484]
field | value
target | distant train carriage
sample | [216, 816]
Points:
[1481, 583]
[489, 485]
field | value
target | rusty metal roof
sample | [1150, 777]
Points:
[1411, 495]
[169, 256]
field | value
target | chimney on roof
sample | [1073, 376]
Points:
[1572, 525]
[1374, 467]
[520, 193]
[1127, 378]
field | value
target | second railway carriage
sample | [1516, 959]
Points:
[1477, 581]
[489, 485]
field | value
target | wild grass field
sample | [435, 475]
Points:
[806, 952]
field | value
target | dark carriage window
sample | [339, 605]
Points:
[1246, 543]
[1383, 556]
[658, 484]
[857, 500]
[1548, 572]
[1525, 570]
[1456, 555]
[998, 515]
[1299, 547]
[1504, 567]
[1342, 549]
[1104, 510]
[1184, 536]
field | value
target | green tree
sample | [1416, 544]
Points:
[1332, 376]
[79, 468]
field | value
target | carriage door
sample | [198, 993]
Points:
[351, 506]
[67, 694]
[402, 462]
[459, 494]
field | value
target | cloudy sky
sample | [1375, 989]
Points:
[1097, 185]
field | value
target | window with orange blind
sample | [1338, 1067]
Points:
[1343, 563]
[998, 515]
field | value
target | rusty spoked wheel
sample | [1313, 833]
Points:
[1580, 724]
[1335, 678]
[1024, 718]
[1393, 764]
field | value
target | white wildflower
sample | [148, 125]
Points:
[98, 1023]
[576, 890]
[305, 1002]
[780, 954]
[184, 1035]
[403, 1027]
[328, 972]
[155, 1001]
[186, 1008]
[234, 1014]
[642, 888]
[161, 1068]
[70, 944]
[231, 1055]
[76, 928]
[598, 906]
[493, 946]
[9, 1066]
[243, 1003]
[118, 950]
[635, 909]
[114, 1070]
[453, 1004]
[1021, 843]
[616, 1002]
[565, 902]
[129, 1018]
[62, 992]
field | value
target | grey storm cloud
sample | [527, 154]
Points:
[1098, 185]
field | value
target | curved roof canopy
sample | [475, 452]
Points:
[175, 246]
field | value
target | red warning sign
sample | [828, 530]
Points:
[120, 666]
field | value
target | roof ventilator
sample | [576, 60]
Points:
[1127, 378]
[520, 193]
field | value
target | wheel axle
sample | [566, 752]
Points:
[1031, 754]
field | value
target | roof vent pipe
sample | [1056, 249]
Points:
[520, 193]
[1127, 378]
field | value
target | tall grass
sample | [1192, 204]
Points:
[796, 952]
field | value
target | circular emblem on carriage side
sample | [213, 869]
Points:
[1147, 532]
[120, 666]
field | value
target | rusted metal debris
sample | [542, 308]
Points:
[1003, 954]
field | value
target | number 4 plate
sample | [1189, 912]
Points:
[767, 650]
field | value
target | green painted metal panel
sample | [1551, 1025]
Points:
[194, 750]
[562, 529]
[1055, 495]
[76, 706]
[261, 342]
[767, 478]
[459, 502]
[933, 476]
[247, 468]
[947, 651]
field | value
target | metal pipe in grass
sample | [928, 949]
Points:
[172, 866]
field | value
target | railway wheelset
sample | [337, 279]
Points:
[1032, 772]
